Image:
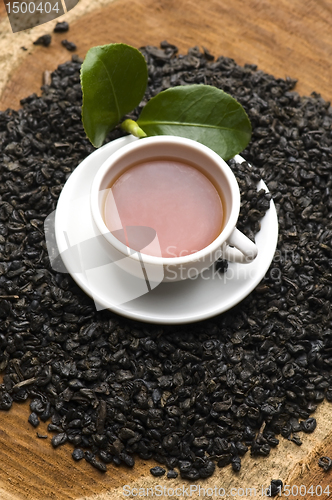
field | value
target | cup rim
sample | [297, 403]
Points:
[151, 259]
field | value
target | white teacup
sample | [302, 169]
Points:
[231, 244]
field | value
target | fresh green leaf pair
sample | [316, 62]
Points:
[114, 79]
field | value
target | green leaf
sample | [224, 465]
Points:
[113, 79]
[200, 112]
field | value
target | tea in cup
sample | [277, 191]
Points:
[171, 205]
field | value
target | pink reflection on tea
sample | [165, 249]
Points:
[170, 196]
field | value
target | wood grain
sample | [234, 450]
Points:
[283, 38]
[310, 475]
[31, 469]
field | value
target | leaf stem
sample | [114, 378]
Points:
[131, 127]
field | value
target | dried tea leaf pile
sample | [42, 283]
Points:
[192, 396]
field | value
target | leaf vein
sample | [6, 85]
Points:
[191, 104]
[113, 90]
[144, 123]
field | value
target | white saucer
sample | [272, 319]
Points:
[169, 303]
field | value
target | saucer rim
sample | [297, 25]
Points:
[140, 315]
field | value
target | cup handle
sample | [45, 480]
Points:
[244, 251]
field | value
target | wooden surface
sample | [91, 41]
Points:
[31, 470]
[285, 38]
